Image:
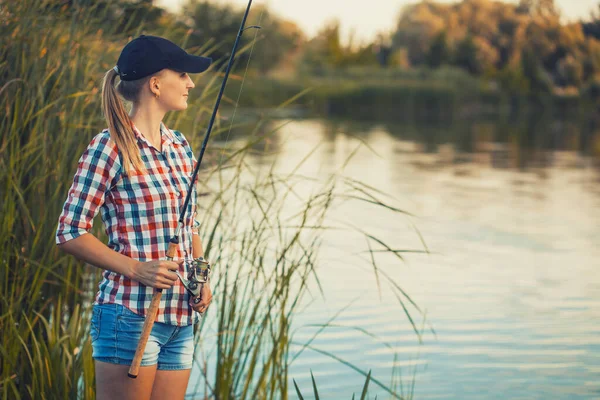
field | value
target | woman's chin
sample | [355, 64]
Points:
[181, 106]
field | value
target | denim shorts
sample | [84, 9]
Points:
[115, 331]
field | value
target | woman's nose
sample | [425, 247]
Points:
[190, 83]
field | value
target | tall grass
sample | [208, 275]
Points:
[265, 255]
[48, 99]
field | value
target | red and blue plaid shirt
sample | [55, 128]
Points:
[140, 212]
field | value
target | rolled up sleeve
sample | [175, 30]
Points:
[98, 170]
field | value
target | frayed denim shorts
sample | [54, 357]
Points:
[115, 332]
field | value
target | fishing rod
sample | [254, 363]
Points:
[200, 269]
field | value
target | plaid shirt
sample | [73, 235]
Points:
[140, 213]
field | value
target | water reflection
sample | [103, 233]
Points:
[505, 291]
[529, 141]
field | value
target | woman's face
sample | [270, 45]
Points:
[172, 87]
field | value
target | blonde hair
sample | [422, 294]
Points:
[120, 126]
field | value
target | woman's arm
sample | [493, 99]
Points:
[88, 248]
[158, 274]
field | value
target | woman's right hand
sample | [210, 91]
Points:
[158, 274]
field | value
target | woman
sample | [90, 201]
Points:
[137, 173]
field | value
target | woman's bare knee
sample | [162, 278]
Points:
[112, 382]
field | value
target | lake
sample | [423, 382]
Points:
[509, 292]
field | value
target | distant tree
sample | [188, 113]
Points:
[592, 28]
[362, 54]
[383, 54]
[439, 52]
[383, 50]
[591, 60]
[466, 55]
[399, 58]
[539, 81]
[501, 38]
[210, 21]
[418, 24]
[487, 55]
[512, 80]
[332, 43]
[277, 39]
[570, 71]
[541, 8]
[219, 23]
[511, 36]
[326, 50]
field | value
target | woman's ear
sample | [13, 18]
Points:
[154, 85]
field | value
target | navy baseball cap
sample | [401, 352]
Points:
[146, 55]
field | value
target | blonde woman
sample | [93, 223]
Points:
[136, 174]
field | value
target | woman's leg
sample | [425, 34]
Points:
[170, 384]
[112, 382]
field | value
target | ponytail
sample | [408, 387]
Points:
[120, 126]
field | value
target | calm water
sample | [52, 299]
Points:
[510, 294]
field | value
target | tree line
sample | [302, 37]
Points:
[523, 47]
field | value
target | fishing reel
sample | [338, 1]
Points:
[198, 275]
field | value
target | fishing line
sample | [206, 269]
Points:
[237, 101]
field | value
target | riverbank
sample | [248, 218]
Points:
[402, 95]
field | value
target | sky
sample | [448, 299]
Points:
[364, 17]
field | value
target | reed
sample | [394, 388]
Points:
[261, 231]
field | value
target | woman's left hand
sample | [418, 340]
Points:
[205, 299]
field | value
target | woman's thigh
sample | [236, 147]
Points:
[112, 382]
[170, 384]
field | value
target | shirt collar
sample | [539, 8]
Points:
[168, 137]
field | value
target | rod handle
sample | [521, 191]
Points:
[173, 244]
[148, 324]
[150, 318]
